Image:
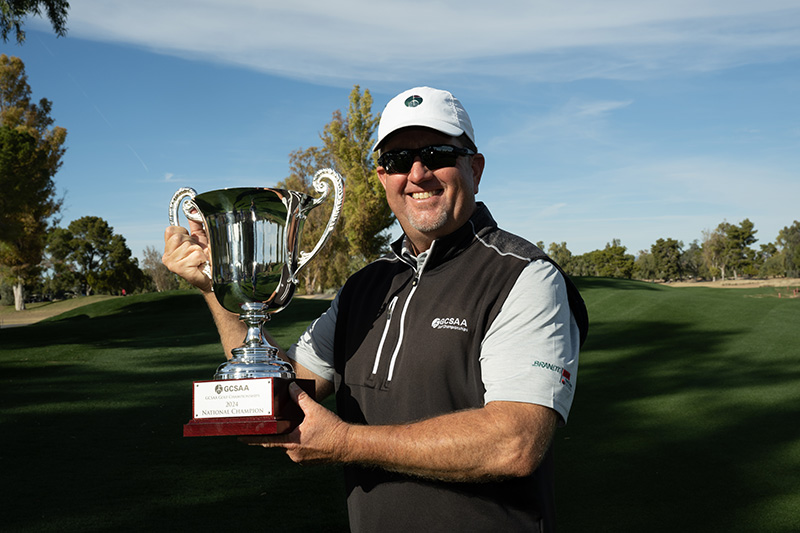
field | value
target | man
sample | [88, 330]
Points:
[453, 358]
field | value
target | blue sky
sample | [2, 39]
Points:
[599, 120]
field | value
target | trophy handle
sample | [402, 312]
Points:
[191, 211]
[322, 187]
[178, 198]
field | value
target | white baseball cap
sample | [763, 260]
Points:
[428, 107]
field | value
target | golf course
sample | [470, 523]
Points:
[686, 418]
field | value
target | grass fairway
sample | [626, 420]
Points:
[687, 415]
[93, 407]
[686, 419]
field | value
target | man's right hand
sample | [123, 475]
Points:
[186, 254]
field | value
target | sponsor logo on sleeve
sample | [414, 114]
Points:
[564, 375]
[565, 379]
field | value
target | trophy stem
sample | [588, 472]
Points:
[256, 358]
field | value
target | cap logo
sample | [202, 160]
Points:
[413, 101]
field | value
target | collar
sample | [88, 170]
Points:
[449, 246]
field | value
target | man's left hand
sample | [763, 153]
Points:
[320, 438]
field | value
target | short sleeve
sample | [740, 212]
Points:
[530, 352]
[314, 348]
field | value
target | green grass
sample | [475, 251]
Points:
[687, 415]
[93, 407]
[686, 419]
[35, 312]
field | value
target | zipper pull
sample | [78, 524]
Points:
[390, 309]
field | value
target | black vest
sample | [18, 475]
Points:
[407, 347]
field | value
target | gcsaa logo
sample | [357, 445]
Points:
[413, 101]
[236, 387]
[450, 323]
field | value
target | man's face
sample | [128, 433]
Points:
[430, 203]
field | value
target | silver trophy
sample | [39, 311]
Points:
[254, 242]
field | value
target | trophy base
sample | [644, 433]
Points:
[220, 427]
[284, 414]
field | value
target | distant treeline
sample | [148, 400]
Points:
[726, 252]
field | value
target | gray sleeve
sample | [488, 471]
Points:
[314, 348]
[530, 352]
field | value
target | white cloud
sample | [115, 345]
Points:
[575, 120]
[599, 108]
[552, 210]
[390, 40]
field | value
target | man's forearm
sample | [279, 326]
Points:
[231, 330]
[503, 439]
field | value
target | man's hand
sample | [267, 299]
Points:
[320, 438]
[500, 440]
[186, 254]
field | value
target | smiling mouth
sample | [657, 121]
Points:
[425, 194]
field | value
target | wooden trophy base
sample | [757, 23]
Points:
[283, 413]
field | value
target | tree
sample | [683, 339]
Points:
[6, 293]
[30, 155]
[12, 13]
[738, 255]
[561, 255]
[667, 257]
[728, 248]
[770, 261]
[788, 242]
[692, 260]
[645, 266]
[95, 259]
[713, 248]
[612, 261]
[362, 232]
[332, 266]
[162, 278]
[367, 216]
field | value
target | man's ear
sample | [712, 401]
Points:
[382, 176]
[478, 163]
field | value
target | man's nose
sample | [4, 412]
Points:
[418, 172]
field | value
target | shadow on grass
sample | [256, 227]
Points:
[93, 407]
[679, 425]
[684, 419]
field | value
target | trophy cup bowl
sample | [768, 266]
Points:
[254, 243]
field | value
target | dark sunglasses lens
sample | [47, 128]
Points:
[398, 162]
[435, 157]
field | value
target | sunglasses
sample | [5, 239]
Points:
[433, 157]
